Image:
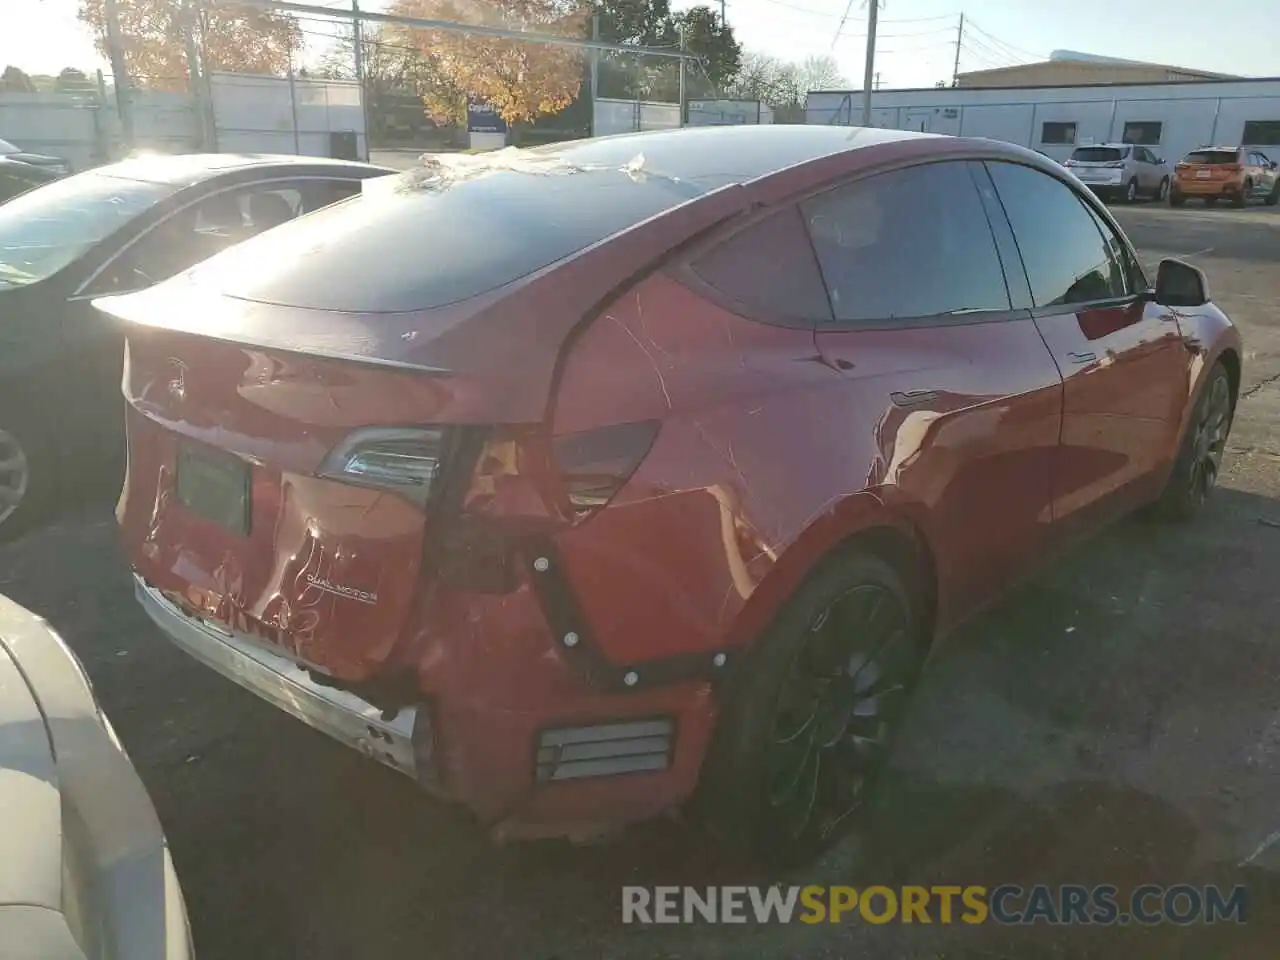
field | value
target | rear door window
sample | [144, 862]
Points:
[767, 270]
[200, 230]
[907, 244]
[1067, 259]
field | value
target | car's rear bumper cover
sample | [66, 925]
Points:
[1207, 188]
[281, 682]
[472, 741]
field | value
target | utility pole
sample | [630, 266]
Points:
[357, 36]
[595, 70]
[119, 74]
[195, 75]
[723, 19]
[682, 76]
[869, 76]
[955, 70]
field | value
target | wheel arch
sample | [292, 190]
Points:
[1230, 359]
[861, 522]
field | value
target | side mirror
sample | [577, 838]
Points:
[1180, 284]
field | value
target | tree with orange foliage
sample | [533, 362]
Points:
[153, 35]
[522, 80]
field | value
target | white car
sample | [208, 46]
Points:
[85, 872]
[1121, 171]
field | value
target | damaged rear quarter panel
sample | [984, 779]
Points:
[749, 458]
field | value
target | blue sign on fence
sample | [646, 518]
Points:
[483, 118]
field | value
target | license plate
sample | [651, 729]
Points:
[1203, 174]
[215, 486]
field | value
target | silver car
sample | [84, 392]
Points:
[85, 873]
[1121, 171]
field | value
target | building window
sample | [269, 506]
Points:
[1261, 133]
[1055, 132]
[1142, 131]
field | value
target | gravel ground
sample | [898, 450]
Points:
[1117, 720]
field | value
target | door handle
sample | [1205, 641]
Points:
[1087, 356]
[911, 398]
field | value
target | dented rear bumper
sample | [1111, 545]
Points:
[559, 763]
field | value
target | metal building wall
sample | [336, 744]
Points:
[1192, 114]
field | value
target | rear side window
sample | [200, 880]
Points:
[1098, 154]
[911, 243]
[400, 247]
[1066, 258]
[1213, 157]
[768, 268]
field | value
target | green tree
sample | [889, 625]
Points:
[14, 80]
[651, 23]
[239, 39]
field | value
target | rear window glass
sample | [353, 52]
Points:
[1212, 156]
[1098, 154]
[400, 248]
[406, 248]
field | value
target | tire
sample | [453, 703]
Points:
[1241, 198]
[1162, 192]
[1195, 471]
[782, 788]
[1176, 199]
[26, 478]
[1131, 191]
[1274, 196]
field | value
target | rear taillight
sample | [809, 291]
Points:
[594, 465]
[405, 461]
[1114, 164]
[521, 475]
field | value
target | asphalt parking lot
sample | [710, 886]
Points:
[1117, 720]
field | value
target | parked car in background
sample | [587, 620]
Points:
[84, 868]
[566, 482]
[1121, 171]
[17, 177]
[114, 229]
[1235, 174]
[59, 165]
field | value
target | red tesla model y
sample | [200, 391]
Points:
[582, 482]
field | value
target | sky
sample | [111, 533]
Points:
[917, 38]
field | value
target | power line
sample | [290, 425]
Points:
[1007, 60]
[1017, 51]
[832, 15]
[844, 18]
[450, 26]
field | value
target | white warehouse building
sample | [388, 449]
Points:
[1171, 117]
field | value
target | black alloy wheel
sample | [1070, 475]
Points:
[842, 695]
[810, 713]
[1195, 473]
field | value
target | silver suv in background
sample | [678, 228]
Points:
[1121, 171]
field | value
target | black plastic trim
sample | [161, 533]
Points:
[564, 617]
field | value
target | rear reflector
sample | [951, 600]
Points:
[573, 753]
